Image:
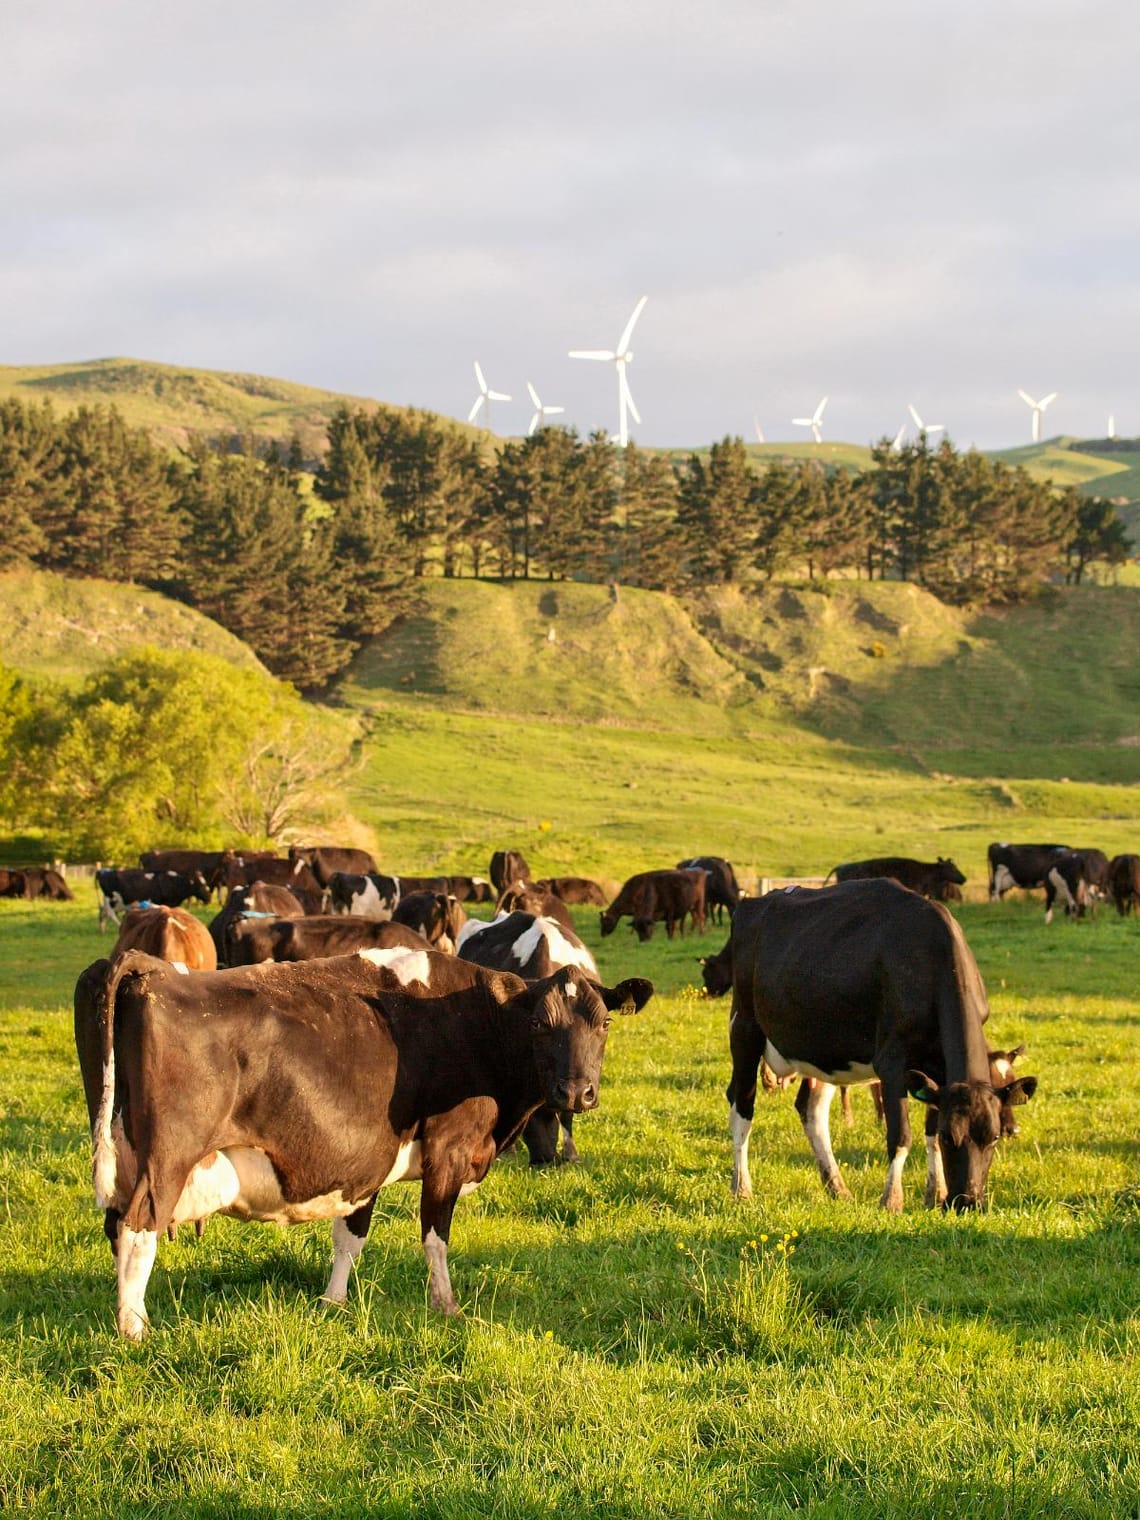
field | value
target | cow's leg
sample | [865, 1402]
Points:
[747, 1044]
[936, 1190]
[813, 1104]
[845, 1104]
[569, 1149]
[898, 1132]
[456, 1151]
[349, 1235]
[134, 1258]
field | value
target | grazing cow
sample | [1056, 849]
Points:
[658, 895]
[323, 861]
[1095, 864]
[254, 940]
[276, 871]
[1065, 882]
[1020, 865]
[436, 915]
[529, 897]
[857, 981]
[261, 900]
[168, 889]
[508, 866]
[573, 889]
[470, 889]
[171, 934]
[209, 862]
[1124, 883]
[363, 896]
[532, 947]
[293, 1093]
[924, 877]
[721, 890]
[44, 881]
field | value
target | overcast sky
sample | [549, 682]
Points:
[886, 201]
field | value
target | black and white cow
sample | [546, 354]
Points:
[1020, 865]
[363, 896]
[1066, 883]
[118, 889]
[532, 947]
[859, 981]
[294, 1093]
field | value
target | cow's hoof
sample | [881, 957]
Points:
[837, 1187]
[743, 1193]
[133, 1326]
[893, 1202]
[934, 1199]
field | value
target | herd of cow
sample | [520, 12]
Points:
[394, 1038]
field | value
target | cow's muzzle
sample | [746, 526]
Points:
[575, 1097]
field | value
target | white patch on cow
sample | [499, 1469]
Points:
[346, 1248]
[893, 1192]
[1003, 881]
[1001, 1071]
[470, 929]
[817, 1128]
[855, 1071]
[405, 965]
[435, 1250]
[134, 1260]
[367, 903]
[297, 864]
[558, 947]
[181, 967]
[740, 1129]
[408, 1165]
[240, 1181]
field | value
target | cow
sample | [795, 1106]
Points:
[532, 947]
[171, 934]
[12, 882]
[926, 878]
[529, 897]
[260, 900]
[253, 940]
[293, 1093]
[1095, 865]
[43, 881]
[470, 889]
[1020, 865]
[573, 889]
[651, 896]
[858, 981]
[324, 860]
[118, 889]
[275, 871]
[1065, 882]
[507, 866]
[209, 862]
[721, 890]
[1124, 883]
[369, 895]
[436, 915]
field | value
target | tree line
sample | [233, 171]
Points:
[304, 567]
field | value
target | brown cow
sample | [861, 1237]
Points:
[1124, 882]
[436, 915]
[573, 889]
[308, 939]
[651, 896]
[171, 934]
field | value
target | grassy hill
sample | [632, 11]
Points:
[174, 403]
[67, 628]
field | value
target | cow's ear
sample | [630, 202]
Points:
[922, 1089]
[1019, 1091]
[629, 996]
[1015, 1055]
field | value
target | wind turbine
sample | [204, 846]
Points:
[619, 357]
[540, 411]
[759, 429]
[1038, 408]
[896, 447]
[1111, 425]
[925, 427]
[815, 421]
[484, 398]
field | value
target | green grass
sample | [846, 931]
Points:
[630, 1344]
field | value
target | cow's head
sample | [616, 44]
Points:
[570, 1019]
[200, 887]
[970, 1124]
[609, 921]
[1013, 1090]
[717, 972]
[949, 872]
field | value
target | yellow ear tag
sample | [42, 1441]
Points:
[629, 1006]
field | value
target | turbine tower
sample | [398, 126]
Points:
[484, 398]
[620, 357]
[1038, 408]
[1111, 425]
[815, 421]
[925, 427]
[540, 412]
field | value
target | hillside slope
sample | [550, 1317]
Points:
[174, 403]
[67, 628]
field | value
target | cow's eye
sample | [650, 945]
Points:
[606, 1023]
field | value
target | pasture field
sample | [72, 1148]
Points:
[633, 1341]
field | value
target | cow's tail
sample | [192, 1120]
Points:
[830, 874]
[104, 1164]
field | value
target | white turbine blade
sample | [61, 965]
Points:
[896, 447]
[759, 429]
[816, 432]
[817, 415]
[497, 396]
[533, 395]
[1027, 398]
[1111, 425]
[479, 378]
[801, 422]
[552, 411]
[479, 400]
[534, 421]
[935, 427]
[623, 341]
[1044, 402]
[592, 353]
[917, 419]
[628, 394]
